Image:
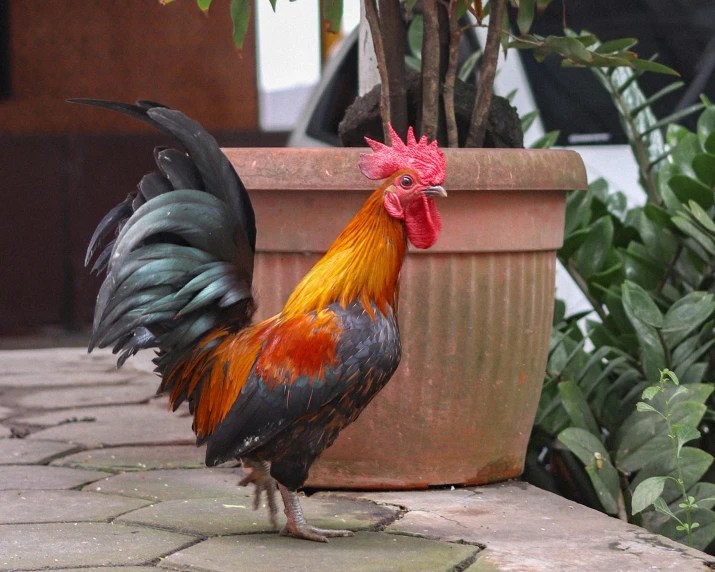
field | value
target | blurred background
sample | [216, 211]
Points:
[64, 166]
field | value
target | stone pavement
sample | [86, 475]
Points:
[95, 474]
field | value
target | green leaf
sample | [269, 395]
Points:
[689, 189]
[685, 433]
[415, 34]
[525, 16]
[647, 65]
[650, 392]
[691, 310]
[693, 464]
[642, 437]
[541, 5]
[204, 4]
[656, 96]
[413, 62]
[332, 15]
[592, 453]
[674, 134]
[704, 494]
[614, 46]
[703, 534]
[695, 233]
[240, 15]
[678, 115]
[577, 407]
[660, 505]
[468, 66]
[547, 141]
[706, 130]
[578, 210]
[646, 493]
[704, 167]
[590, 256]
[641, 305]
[701, 216]
[644, 407]
[569, 48]
[528, 119]
[657, 214]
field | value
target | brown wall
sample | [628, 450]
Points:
[63, 166]
[126, 50]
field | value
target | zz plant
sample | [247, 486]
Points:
[604, 434]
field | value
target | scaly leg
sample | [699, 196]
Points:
[261, 478]
[297, 526]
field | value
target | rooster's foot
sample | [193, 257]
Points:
[297, 526]
[261, 478]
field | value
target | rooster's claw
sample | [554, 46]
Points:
[261, 478]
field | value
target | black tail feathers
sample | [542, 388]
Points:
[181, 261]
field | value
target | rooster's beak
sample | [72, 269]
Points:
[436, 191]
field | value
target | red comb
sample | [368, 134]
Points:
[424, 158]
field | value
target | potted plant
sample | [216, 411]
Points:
[475, 310]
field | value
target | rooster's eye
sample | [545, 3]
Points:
[406, 182]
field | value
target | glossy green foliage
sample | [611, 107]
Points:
[648, 274]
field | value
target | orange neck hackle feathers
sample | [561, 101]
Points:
[363, 263]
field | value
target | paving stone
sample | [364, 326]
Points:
[116, 459]
[62, 506]
[64, 545]
[33, 477]
[5, 431]
[233, 515]
[521, 525]
[113, 569]
[5, 412]
[130, 392]
[55, 360]
[66, 366]
[26, 451]
[58, 378]
[365, 552]
[113, 425]
[177, 484]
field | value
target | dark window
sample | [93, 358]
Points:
[681, 32]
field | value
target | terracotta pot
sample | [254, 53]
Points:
[475, 310]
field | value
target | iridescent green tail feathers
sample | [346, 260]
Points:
[181, 261]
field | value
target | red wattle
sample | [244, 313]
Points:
[423, 222]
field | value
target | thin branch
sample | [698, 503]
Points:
[581, 283]
[639, 149]
[480, 113]
[450, 77]
[430, 69]
[666, 349]
[671, 266]
[394, 52]
[375, 32]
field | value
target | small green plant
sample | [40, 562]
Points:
[650, 491]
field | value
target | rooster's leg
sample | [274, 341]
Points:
[297, 526]
[261, 478]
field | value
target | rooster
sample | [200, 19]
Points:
[178, 278]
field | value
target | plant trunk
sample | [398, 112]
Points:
[486, 76]
[394, 53]
[430, 70]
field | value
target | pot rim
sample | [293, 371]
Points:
[330, 169]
